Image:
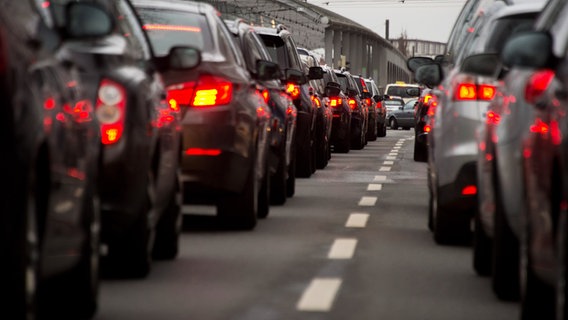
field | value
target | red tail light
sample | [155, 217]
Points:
[352, 104]
[212, 91]
[368, 100]
[110, 110]
[265, 95]
[202, 152]
[493, 117]
[469, 190]
[335, 102]
[427, 128]
[472, 91]
[293, 90]
[316, 101]
[427, 99]
[180, 95]
[537, 85]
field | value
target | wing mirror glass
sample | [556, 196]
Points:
[184, 58]
[267, 70]
[87, 20]
[484, 64]
[295, 76]
[315, 73]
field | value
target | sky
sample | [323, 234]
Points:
[421, 19]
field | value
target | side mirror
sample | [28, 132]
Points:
[267, 70]
[416, 62]
[315, 73]
[484, 64]
[183, 58]
[295, 76]
[332, 91]
[531, 49]
[378, 98]
[413, 92]
[352, 92]
[87, 20]
[430, 75]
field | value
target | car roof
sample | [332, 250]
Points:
[191, 6]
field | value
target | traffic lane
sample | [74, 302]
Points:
[262, 274]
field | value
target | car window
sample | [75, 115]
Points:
[132, 31]
[227, 43]
[410, 105]
[277, 49]
[168, 28]
[252, 51]
[342, 81]
[399, 91]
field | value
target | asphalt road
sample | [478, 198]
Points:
[351, 244]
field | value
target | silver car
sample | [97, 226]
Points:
[403, 116]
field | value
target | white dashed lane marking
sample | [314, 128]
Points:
[368, 201]
[388, 163]
[375, 187]
[357, 220]
[391, 158]
[342, 249]
[380, 178]
[385, 169]
[319, 295]
[392, 154]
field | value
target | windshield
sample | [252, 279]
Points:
[399, 91]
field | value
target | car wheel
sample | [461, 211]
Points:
[321, 153]
[291, 180]
[381, 130]
[420, 152]
[304, 159]
[74, 295]
[562, 267]
[168, 229]
[449, 228]
[372, 132]
[505, 280]
[393, 124]
[239, 211]
[264, 195]
[21, 268]
[482, 249]
[278, 179]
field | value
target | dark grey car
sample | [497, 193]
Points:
[403, 116]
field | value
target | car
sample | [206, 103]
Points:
[359, 110]
[140, 141]
[423, 110]
[377, 98]
[49, 205]
[367, 98]
[405, 91]
[341, 113]
[539, 138]
[224, 119]
[282, 48]
[282, 161]
[392, 103]
[403, 116]
[324, 112]
[454, 152]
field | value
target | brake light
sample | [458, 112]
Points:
[212, 91]
[368, 100]
[202, 152]
[537, 85]
[352, 104]
[493, 117]
[265, 95]
[164, 27]
[427, 128]
[293, 90]
[180, 95]
[110, 110]
[316, 101]
[335, 102]
[472, 91]
[427, 98]
[49, 103]
[469, 190]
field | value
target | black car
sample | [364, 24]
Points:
[341, 113]
[377, 98]
[224, 118]
[282, 161]
[49, 213]
[422, 114]
[282, 49]
[359, 110]
[140, 143]
[366, 97]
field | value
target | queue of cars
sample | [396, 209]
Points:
[496, 124]
[118, 113]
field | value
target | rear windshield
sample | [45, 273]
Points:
[343, 81]
[168, 28]
[393, 103]
[399, 91]
[276, 48]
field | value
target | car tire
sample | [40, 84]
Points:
[505, 279]
[482, 249]
[264, 195]
[382, 130]
[291, 180]
[447, 228]
[420, 152]
[21, 267]
[304, 160]
[74, 295]
[239, 211]
[393, 123]
[278, 181]
[168, 229]
[322, 152]
[372, 132]
[358, 142]
[562, 267]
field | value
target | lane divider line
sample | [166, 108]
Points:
[392, 154]
[375, 187]
[357, 220]
[385, 169]
[343, 248]
[368, 201]
[380, 178]
[388, 163]
[319, 295]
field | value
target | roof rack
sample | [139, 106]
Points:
[281, 27]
